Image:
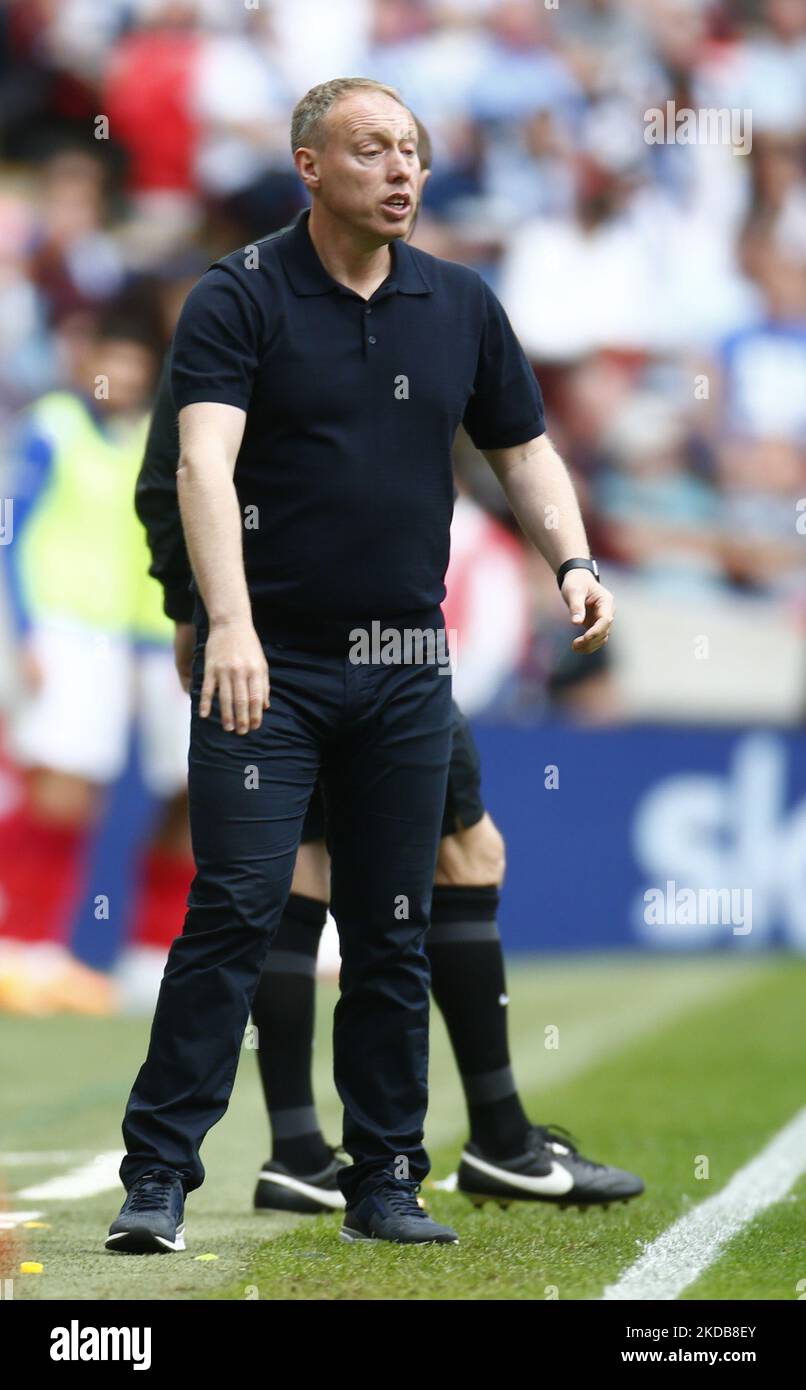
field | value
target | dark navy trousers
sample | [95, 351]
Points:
[381, 736]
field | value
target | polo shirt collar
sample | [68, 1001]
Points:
[308, 276]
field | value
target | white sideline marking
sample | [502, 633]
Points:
[679, 1256]
[10, 1219]
[21, 1159]
[99, 1175]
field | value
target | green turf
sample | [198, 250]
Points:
[659, 1061]
[718, 1081]
[767, 1260]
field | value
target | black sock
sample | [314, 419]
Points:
[283, 1011]
[469, 985]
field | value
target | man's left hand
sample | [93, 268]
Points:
[591, 606]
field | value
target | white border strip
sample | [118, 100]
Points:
[32, 1157]
[99, 1175]
[10, 1219]
[679, 1256]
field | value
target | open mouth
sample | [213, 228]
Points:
[399, 203]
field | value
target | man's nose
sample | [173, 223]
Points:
[399, 167]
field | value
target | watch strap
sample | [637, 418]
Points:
[579, 563]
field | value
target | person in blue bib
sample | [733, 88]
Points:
[94, 651]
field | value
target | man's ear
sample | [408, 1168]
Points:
[306, 166]
[425, 175]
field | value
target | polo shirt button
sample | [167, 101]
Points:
[367, 311]
[372, 340]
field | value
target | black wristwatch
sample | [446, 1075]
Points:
[579, 564]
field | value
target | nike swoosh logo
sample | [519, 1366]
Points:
[552, 1184]
[319, 1194]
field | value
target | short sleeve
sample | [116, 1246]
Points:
[217, 342]
[506, 406]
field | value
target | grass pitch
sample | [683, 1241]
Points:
[660, 1063]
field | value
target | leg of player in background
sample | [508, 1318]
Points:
[166, 868]
[468, 982]
[301, 1173]
[507, 1157]
[69, 731]
[42, 849]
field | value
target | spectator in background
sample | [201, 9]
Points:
[577, 284]
[314, 40]
[72, 263]
[659, 517]
[764, 363]
[25, 348]
[75, 262]
[768, 71]
[520, 72]
[487, 605]
[529, 106]
[589, 396]
[530, 174]
[84, 609]
[761, 481]
[435, 65]
[606, 46]
[778, 208]
[148, 95]
[692, 198]
[241, 100]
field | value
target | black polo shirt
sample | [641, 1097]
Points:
[344, 475]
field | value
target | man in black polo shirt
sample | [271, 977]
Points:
[334, 364]
[507, 1158]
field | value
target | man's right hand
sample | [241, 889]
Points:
[235, 665]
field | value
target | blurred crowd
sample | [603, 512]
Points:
[658, 288]
[658, 285]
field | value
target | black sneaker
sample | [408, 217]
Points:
[549, 1170]
[392, 1212]
[280, 1189]
[151, 1218]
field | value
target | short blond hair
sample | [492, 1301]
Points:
[310, 111]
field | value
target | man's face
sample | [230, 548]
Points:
[367, 172]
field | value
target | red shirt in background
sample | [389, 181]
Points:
[148, 96]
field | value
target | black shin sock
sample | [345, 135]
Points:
[469, 985]
[283, 1011]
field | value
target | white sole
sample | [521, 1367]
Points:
[332, 1200]
[146, 1244]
